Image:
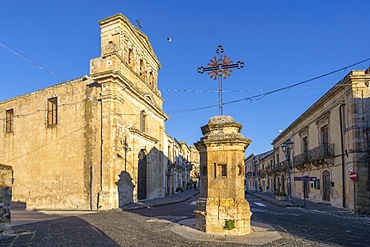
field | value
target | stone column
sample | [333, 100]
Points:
[222, 207]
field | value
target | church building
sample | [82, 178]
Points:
[70, 143]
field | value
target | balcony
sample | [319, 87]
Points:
[300, 159]
[275, 168]
[324, 151]
[268, 169]
[284, 165]
[262, 173]
[315, 156]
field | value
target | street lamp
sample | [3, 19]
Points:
[287, 147]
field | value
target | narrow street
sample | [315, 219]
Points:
[152, 226]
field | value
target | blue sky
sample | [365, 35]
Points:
[280, 42]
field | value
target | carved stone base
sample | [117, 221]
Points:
[212, 213]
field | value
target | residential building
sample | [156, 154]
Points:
[256, 178]
[330, 146]
[178, 166]
[194, 159]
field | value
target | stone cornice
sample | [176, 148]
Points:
[113, 75]
[143, 135]
[154, 90]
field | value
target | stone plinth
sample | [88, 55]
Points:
[222, 196]
[6, 176]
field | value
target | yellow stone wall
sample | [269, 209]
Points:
[51, 160]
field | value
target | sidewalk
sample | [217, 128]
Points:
[297, 202]
[167, 200]
[271, 198]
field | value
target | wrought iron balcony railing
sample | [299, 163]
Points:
[300, 159]
[284, 165]
[323, 151]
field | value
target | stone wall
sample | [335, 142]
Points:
[6, 175]
[53, 165]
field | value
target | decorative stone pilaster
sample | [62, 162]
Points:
[222, 207]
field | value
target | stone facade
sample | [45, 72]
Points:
[6, 180]
[255, 175]
[194, 159]
[331, 139]
[178, 166]
[82, 144]
[222, 178]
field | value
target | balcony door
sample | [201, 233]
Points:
[324, 135]
[326, 186]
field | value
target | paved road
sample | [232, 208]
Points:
[153, 226]
[318, 225]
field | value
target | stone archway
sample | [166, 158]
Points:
[142, 175]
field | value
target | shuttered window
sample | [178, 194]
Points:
[9, 121]
[52, 116]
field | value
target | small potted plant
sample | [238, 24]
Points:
[281, 195]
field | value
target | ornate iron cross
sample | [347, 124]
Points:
[218, 68]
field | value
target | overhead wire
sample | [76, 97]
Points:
[27, 59]
[263, 94]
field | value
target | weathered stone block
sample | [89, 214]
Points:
[6, 175]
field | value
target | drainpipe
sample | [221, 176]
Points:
[341, 117]
[100, 101]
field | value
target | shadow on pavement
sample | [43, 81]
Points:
[66, 231]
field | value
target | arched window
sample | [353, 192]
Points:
[131, 61]
[142, 121]
[151, 79]
[142, 69]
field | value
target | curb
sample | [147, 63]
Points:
[149, 204]
[275, 202]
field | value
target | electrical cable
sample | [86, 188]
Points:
[25, 58]
[263, 94]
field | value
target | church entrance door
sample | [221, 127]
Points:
[142, 176]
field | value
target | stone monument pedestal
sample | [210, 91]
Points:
[222, 207]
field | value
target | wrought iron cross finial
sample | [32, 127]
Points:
[218, 68]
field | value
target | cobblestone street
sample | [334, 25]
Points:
[144, 225]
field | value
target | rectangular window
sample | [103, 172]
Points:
[9, 121]
[52, 116]
[324, 135]
[142, 121]
[224, 170]
[304, 145]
